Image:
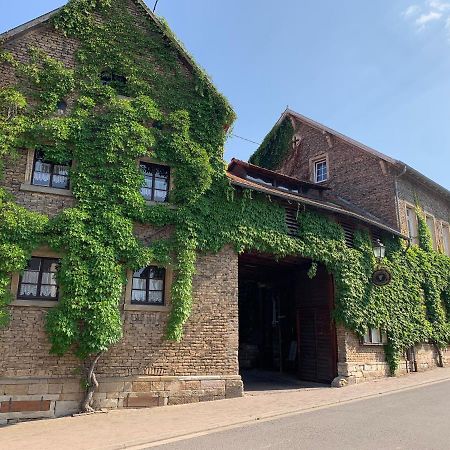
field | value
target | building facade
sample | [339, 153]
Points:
[258, 298]
[386, 188]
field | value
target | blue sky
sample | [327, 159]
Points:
[378, 71]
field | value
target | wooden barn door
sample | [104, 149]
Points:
[315, 329]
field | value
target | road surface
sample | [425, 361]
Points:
[414, 419]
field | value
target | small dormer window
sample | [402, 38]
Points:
[116, 81]
[156, 182]
[320, 171]
[61, 108]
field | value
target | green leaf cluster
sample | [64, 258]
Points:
[275, 147]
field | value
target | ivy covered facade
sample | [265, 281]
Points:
[123, 237]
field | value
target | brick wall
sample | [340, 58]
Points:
[354, 174]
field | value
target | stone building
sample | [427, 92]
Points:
[364, 177]
[250, 310]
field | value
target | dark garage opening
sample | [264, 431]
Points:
[286, 332]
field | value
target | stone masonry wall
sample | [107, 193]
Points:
[359, 363]
[354, 174]
[143, 369]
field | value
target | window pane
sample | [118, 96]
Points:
[161, 184]
[147, 169]
[148, 182]
[156, 285]
[140, 273]
[49, 291]
[162, 172]
[138, 296]
[160, 196]
[34, 264]
[146, 193]
[367, 337]
[30, 276]
[139, 283]
[376, 336]
[62, 170]
[41, 175]
[49, 278]
[28, 290]
[60, 178]
[155, 297]
[157, 272]
[321, 171]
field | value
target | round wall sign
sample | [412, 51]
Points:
[381, 277]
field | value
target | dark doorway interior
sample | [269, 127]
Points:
[285, 329]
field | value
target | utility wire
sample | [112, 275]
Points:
[244, 139]
[156, 3]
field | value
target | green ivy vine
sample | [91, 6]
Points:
[275, 147]
[172, 114]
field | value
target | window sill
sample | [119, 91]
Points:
[372, 345]
[36, 303]
[46, 190]
[166, 204]
[146, 308]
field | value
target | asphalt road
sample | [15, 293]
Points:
[413, 419]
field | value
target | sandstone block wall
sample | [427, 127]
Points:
[32, 398]
[360, 363]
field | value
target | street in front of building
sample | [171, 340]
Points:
[411, 419]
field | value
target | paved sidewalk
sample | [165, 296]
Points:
[142, 428]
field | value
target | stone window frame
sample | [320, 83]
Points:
[445, 226]
[27, 186]
[150, 160]
[128, 306]
[43, 252]
[414, 239]
[312, 167]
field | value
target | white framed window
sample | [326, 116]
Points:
[320, 171]
[411, 220]
[446, 238]
[375, 336]
[432, 227]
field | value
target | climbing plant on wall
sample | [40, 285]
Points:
[275, 147]
[158, 107]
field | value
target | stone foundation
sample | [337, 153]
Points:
[33, 398]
